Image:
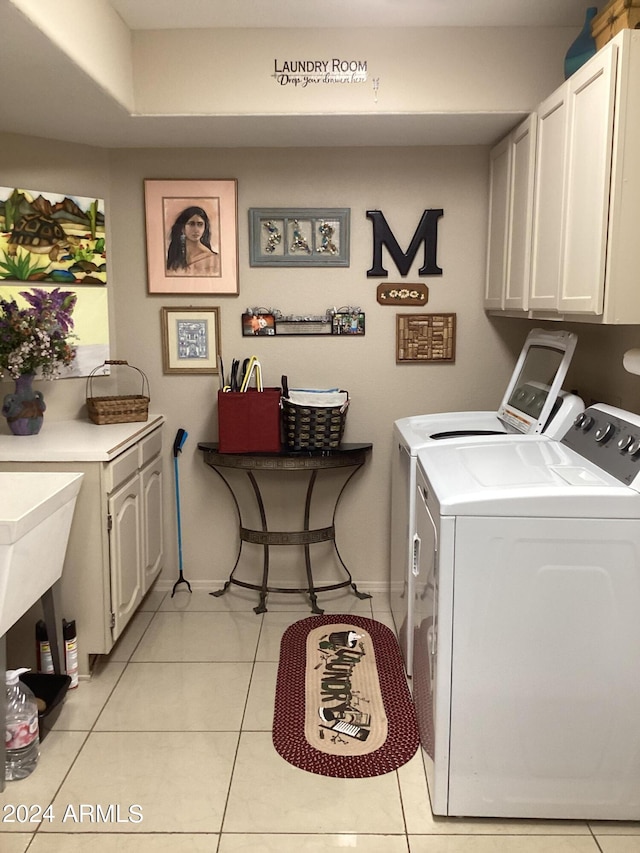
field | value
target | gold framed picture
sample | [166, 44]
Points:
[190, 340]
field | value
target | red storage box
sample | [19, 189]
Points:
[249, 421]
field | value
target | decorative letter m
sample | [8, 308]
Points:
[426, 232]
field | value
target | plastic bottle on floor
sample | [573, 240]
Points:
[22, 740]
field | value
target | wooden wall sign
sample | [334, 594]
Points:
[402, 294]
[425, 338]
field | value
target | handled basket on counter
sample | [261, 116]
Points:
[121, 409]
[313, 420]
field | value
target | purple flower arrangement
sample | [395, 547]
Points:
[37, 337]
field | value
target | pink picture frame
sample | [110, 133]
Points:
[192, 236]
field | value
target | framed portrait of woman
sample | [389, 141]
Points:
[192, 236]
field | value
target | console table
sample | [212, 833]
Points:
[347, 456]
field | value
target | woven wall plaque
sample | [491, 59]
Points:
[425, 338]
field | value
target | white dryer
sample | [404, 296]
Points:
[532, 403]
[526, 626]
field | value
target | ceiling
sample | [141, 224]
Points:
[49, 96]
[169, 14]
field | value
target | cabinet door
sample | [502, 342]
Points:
[588, 179]
[548, 206]
[523, 140]
[498, 238]
[125, 552]
[152, 523]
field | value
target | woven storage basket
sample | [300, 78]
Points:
[615, 16]
[307, 427]
[121, 409]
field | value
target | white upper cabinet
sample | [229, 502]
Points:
[586, 198]
[523, 143]
[510, 206]
[548, 213]
[571, 200]
[498, 239]
[587, 184]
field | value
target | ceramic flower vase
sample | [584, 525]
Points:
[583, 48]
[24, 409]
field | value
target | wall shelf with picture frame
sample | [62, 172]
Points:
[270, 322]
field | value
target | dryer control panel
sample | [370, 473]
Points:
[610, 438]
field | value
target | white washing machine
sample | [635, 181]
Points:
[526, 628]
[533, 403]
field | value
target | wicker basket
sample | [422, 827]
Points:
[615, 16]
[121, 409]
[307, 427]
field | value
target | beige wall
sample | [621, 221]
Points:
[420, 70]
[399, 182]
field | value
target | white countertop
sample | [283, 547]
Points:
[75, 441]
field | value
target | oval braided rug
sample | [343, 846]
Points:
[341, 685]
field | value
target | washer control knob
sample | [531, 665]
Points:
[579, 420]
[634, 447]
[587, 423]
[605, 432]
[625, 443]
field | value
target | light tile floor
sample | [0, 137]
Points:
[171, 738]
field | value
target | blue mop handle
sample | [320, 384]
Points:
[178, 442]
[181, 437]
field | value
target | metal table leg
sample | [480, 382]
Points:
[351, 456]
[262, 606]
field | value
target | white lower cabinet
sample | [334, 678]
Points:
[125, 552]
[151, 480]
[134, 525]
[116, 544]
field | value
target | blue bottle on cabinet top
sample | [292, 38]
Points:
[583, 48]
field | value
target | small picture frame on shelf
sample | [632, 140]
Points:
[348, 323]
[299, 237]
[258, 324]
[190, 340]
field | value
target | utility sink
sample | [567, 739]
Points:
[36, 509]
